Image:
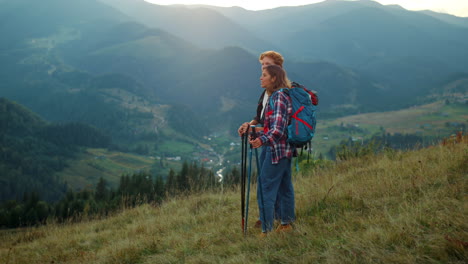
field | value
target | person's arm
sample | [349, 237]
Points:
[253, 122]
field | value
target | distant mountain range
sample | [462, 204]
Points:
[128, 75]
[455, 20]
[396, 49]
[95, 61]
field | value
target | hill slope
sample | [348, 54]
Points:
[33, 150]
[392, 208]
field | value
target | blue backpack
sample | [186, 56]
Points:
[301, 128]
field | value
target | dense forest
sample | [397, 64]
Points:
[33, 150]
[135, 189]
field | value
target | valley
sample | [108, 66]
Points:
[119, 89]
[435, 121]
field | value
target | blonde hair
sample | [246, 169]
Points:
[276, 56]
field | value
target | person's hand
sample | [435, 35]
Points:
[243, 128]
[256, 143]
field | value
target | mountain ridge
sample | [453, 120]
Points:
[201, 26]
[153, 56]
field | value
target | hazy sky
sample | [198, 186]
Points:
[454, 7]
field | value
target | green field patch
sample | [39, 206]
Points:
[130, 161]
[176, 148]
[85, 171]
[434, 119]
[456, 111]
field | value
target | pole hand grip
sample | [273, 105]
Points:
[253, 133]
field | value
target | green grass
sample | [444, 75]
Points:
[429, 120]
[396, 207]
[85, 171]
[176, 147]
[457, 109]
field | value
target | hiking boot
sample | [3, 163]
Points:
[284, 228]
[258, 224]
[263, 234]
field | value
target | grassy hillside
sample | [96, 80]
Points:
[397, 207]
[413, 120]
[434, 119]
[96, 163]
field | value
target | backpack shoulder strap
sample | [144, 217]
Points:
[284, 90]
[295, 84]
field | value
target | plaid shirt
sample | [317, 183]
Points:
[276, 126]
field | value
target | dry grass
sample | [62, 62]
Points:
[393, 208]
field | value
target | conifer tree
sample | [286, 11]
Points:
[182, 179]
[101, 193]
[159, 188]
[171, 185]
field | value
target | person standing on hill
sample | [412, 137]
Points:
[265, 59]
[275, 173]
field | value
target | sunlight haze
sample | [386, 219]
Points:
[453, 7]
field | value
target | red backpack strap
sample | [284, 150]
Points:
[313, 96]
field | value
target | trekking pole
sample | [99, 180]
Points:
[254, 135]
[243, 174]
[242, 182]
[248, 189]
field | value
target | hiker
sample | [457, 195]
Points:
[275, 172]
[265, 59]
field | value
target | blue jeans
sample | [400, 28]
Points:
[259, 201]
[275, 180]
